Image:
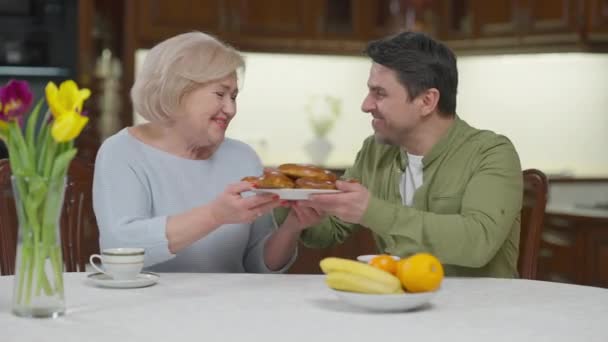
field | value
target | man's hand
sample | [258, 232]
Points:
[301, 216]
[349, 206]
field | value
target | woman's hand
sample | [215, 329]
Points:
[302, 215]
[230, 207]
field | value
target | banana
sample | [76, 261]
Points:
[349, 275]
[357, 283]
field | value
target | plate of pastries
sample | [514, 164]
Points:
[295, 181]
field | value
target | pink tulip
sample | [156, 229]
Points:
[15, 100]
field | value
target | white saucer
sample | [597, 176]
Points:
[142, 280]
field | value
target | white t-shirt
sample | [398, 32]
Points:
[411, 179]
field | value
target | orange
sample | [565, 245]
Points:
[420, 272]
[384, 262]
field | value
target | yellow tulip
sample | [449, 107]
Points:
[3, 129]
[65, 99]
[68, 126]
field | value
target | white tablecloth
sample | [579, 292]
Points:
[291, 308]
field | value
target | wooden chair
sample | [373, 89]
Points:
[79, 233]
[8, 221]
[532, 217]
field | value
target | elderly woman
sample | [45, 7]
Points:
[172, 186]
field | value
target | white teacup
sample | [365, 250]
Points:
[120, 263]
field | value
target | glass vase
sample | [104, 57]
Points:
[38, 282]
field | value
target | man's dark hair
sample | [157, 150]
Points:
[421, 63]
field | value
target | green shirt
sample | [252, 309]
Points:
[467, 211]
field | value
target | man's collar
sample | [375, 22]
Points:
[444, 142]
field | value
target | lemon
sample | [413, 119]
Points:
[420, 272]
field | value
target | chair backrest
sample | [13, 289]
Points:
[8, 221]
[79, 233]
[532, 217]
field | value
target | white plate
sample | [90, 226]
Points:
[142, 280]
[386, 302]
[295, 194]
[367, 258]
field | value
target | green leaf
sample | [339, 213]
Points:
[49, 157]
[62, 162]
[21, 147]
[42, 148]
[15, 155]
[30, 130]
[30, 134]
[14, 158]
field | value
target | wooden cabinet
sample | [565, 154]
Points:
[272, 18]
[562, 247]
[511, 23]
[500, 18]
[551, 21]
[160, 19]
[385, 17]
[344, 26]
[551, 16]
[574, 249]
[597, 265]
[318, 26]
[597, 20]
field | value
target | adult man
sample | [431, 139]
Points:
[429, 181]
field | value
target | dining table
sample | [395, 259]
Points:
[206, 307]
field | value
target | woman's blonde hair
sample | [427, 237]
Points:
[175, 67]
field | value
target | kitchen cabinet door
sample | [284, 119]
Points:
[597, 264]
[456, 18]
[273, 18]
[496, 19]
[161, 19]
[386, 17]
[598, 20]
[561, 256]
[551, 21]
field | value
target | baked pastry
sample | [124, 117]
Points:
[251, 179]
[274, 180]
[296, 171]
[271, 170]
[300, 176]
[311, 183]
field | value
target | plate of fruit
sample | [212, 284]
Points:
[384, 284]
[295, 181]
